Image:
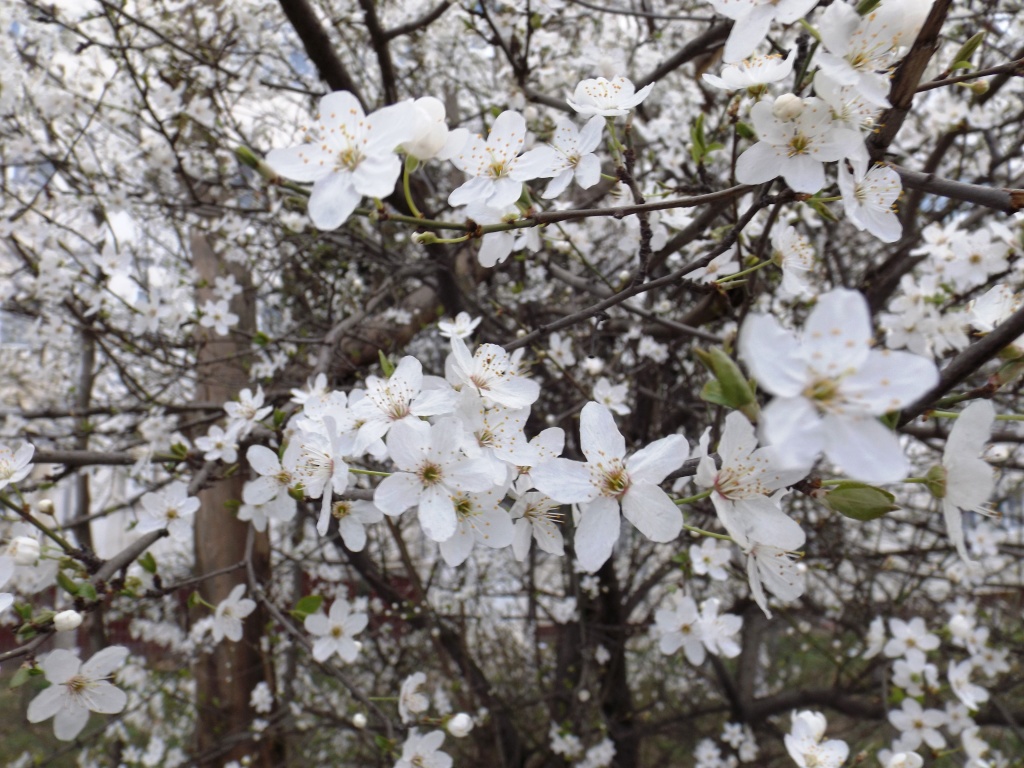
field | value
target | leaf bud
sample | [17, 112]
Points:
[731, 388]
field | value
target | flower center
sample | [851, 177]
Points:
[430, 474]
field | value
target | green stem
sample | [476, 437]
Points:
[370, 472]
[691, 499]
[702, 532]
[406, 173]
[745, 272]
[27, 517]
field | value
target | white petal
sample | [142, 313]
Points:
[437, 514]
[653, 513]
[332, 201]
[597, 533]
[865, 449]
[658, 460]
[600, 438]
[773, 355]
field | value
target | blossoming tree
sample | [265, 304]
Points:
[308, 336]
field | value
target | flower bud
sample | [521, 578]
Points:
[65, 621]
[24, 550]
[859, 501]
[359, 720]
[593, 365]
[45, 506]
[460, 725]
[788, 106]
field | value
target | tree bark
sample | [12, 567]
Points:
[225, 679]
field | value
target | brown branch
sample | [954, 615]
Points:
[967, 363]
[1005, 200]
[907, 77]
[420, 23]
[697, 47]
[318, 47]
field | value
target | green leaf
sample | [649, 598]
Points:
[745, 131]
[23, 675]
[87, 591]
[308, 605]
[260, 339]
[66, 583]
[148, 562]
[385, 364]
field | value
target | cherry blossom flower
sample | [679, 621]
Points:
[421, 751]
[352, 517]
[432, 470]
[569, 155]
[248, 409]
[753, 19]
[481, 520]
[856, 49]
[400, 397]
[15, 465]
[613, 396]
[968, 480]
[217, 315]
[804, 743]
[227, 618]
[490, 372]
[172, 508]
[830, 385]
[869, 197]
[461, 327]
[347, 155]
[497, 170]
[909, 637]
[495, 247]
[536, 517]
[410, 700]
[609, 479]
[742, 488]
[709, 559]
[960, 683]
[753, 72]
[796, 144]
[77, 689]
[917, 724]
[335, 632]
[609, 98]
[274, 479]
[795, 256]
[220, 444]
[697, 631]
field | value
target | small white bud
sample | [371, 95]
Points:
[24, 550]
[788, 106]
[460, 725]
[65, 621]
[359, 720]
[593, 365]
[583, 695]
[45, 506]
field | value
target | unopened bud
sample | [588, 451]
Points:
[24, 550]
[979, 87]
[788, 106]
[65, 621]
[424, 238]
[45, 506]
[460, 725]
[859, 501]
[359, 720]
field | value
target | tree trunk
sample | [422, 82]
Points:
[225, 679]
